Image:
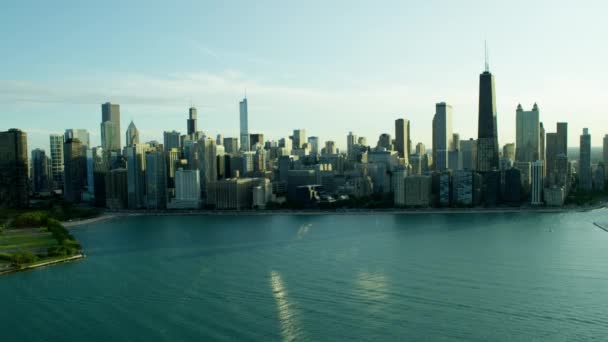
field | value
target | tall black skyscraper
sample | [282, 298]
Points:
[487, 136]
[402, 138]
[192, 121]
[13, 169]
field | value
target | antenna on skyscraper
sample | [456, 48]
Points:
[245, 92]
[485, 45]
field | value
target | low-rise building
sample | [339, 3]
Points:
[187, 190]
[233, 193]
[555, 196]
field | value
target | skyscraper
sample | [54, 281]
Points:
[244, 125]
[605, 151]
[385, 141]
[556, 148]
[192, 121]
[116, 189]
[398, 181]
[542, 146]
[330, 147]
[351, 141]
[206, 162]
[584, 163]
[442, 135]
[537, 182]
[551, 154]
[402, 138]
[171, 140]
[313, 143]
[469, 154]
[487, 136]
[527, 142]
[562, 138]
[156, 180]
[420, 149]
[526, 176]
[74, 158]
[56, 142]
[136, 181]
[13, 169]
[509, 151]
[256, 138]
[299, 138]
[110, 127]
[40, 174]
[132, 135]
[81, 134]
[96, 169]
[231, 145]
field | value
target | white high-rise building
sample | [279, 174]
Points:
[538, 181]
[527, 141]
[244, 125]
[442, 135]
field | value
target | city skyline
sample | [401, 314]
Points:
[318, 170]
[317, 78]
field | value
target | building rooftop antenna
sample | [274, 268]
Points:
[485, 43]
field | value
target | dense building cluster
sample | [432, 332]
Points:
[194, 170]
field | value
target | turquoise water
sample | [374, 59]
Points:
[484, 277]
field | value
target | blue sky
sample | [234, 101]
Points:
[328, 67]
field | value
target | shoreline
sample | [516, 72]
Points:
[43, 264]
[103, 217]
[110, 215]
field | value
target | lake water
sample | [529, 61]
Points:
[484, 277]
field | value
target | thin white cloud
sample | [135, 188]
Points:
[276, 108]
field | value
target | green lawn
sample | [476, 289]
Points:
[10, 240]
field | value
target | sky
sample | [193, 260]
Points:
[329, 67]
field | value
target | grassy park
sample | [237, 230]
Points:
[32, 238]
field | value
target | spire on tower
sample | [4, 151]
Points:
[485, 43]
